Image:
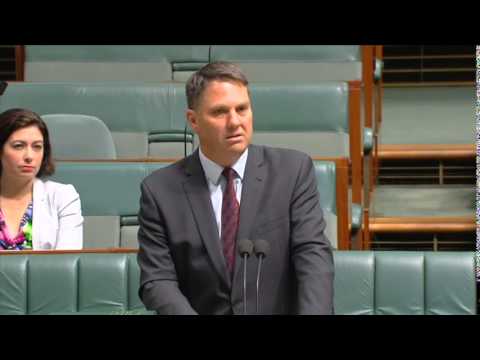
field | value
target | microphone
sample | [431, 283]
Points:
[261, 251]
[3, 87]
[245, 248]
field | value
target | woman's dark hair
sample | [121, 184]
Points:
[15, 119]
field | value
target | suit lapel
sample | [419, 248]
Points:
[198, 195]
[252, 189]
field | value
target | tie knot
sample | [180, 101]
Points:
[229, 173]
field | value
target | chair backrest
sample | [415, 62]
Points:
[110, 194]
[144, 119]
[293, 63]
[146, 63]
[366, 282]
[75, 136]
[310, 117]
[149, 119]
[70, 284]
[410, 283]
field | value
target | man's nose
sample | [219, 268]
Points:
[234, 118]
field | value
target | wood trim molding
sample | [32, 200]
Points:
[366, 230]
[356, 149]
[343, 221]
[430, 84]
[59, 252]
[426, 151]
[356, 145]
[368, 66]
[337, 160]
[422, 224]
[20, 62]
[125, 160]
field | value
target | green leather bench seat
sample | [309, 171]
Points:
[293, 63]
[69, 283]
[382, 283]
[144, 119]
[110, 194]
[408, 283]
[146, 63]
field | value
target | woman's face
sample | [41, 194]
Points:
[22, 153]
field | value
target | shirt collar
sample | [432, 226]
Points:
[213, 171]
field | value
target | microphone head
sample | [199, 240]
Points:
[262, 247]
[245, 247]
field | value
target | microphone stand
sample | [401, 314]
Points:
[259, 269]
[245, 256]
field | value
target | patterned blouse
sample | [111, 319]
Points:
[22, 240]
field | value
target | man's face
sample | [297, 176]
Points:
[223, 121]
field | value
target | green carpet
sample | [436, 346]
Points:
[433, 115]
[423, 200]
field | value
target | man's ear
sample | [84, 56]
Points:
[192, 119]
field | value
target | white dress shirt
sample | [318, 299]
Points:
[217, 182]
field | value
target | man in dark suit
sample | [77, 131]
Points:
[194, 213]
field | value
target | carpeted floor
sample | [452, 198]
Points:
[423, 200]
[429, 115]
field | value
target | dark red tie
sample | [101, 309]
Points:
[230, 217]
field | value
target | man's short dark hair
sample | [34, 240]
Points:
[216, 71]
[16, 119]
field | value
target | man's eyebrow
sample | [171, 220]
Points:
[224, 107]
[219, 107]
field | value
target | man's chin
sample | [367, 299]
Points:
[237, 148]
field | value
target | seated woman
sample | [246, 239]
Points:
[35, 214]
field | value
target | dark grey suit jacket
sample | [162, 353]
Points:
[183, 270]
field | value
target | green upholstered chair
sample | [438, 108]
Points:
[70, 284]
[145, 120]
[326, 185]
[408, 283]
[315, 118]
[293, 63]
[109, 194]
[76, 136]
[310, 117]
[145, 63]
[381, 283]
[331, 177]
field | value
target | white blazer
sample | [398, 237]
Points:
[57, 217]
